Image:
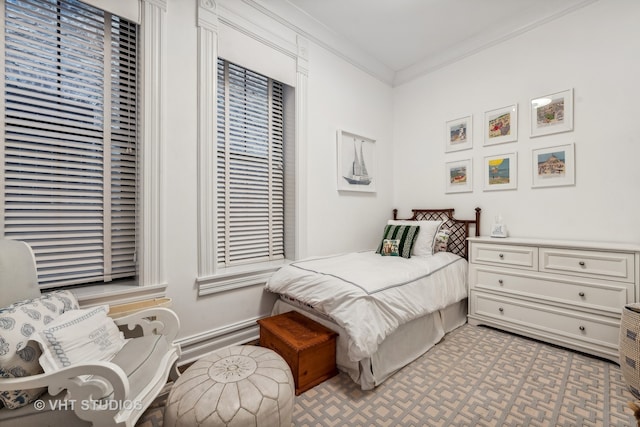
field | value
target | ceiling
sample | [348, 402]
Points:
[412, 37]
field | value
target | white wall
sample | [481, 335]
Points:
[595, 51]
[343, 97]
[339, 96]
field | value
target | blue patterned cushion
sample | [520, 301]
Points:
[18, 354]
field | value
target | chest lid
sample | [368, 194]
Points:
[296, 330]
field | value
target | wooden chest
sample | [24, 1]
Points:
[308, 347]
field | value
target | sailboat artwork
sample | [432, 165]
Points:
[356, 162]
[359, 174]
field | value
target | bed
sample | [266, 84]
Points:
[387, 310]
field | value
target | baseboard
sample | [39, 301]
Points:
[196, 346]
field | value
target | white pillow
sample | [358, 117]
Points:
[426, 235]
[79, 336]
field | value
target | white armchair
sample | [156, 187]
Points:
[113, 393]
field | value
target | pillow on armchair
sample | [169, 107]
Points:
[18, 355]
[79, 336]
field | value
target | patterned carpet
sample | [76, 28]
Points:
[475, 377]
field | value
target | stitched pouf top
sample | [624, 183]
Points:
[237, 386]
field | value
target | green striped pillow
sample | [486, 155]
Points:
[406, 236]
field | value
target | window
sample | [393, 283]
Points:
[250, 167]
[70, 139]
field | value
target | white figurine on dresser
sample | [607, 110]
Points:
[562, 292]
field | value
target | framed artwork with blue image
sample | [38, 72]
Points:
[501, 172]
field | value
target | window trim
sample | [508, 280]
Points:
[238, 277]
[117, 293]
[151, 273]
[152, 42]
[212, 279]
[153, 45]
[151, 281]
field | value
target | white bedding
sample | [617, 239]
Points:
[370, 295]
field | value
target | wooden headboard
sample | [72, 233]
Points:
[459, 227]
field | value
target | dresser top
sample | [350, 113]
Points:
[576, 244]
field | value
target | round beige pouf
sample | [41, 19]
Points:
[237, 386]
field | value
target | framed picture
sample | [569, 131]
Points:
[459, 176]
[553, 166]
[459, 134]
[552, 113]
[501, 172]
[501, 125]
[356, 162]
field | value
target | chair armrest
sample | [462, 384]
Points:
[105, 377]
[92, 387]
[156, 320]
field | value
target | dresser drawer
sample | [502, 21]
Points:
[579, 292]
[547, 319]
[525, 257]
[601, 265]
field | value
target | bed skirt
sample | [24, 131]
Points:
[402, 347]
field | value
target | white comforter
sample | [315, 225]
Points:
[371, 295]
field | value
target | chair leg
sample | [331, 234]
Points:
[174, 373]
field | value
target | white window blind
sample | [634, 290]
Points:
[70, 139]
[250, 167]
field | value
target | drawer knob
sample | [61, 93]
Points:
[581, 328]
[500, 281]
[581, 263]
[501, 255]
[581, 294]
[501, 309]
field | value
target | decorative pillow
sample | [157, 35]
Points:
[426, 237]
[79, 336]
[442, 240]
[19, 355]
[390, 247]
[406, 236]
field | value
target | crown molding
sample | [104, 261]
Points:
[482, 42]
[315, 31]
[235, 20]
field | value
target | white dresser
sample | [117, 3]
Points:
[562, 292]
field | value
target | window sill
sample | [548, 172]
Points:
[120, 293]
[238, 277]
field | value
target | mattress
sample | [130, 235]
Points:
[369, 295]
[387, 310]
